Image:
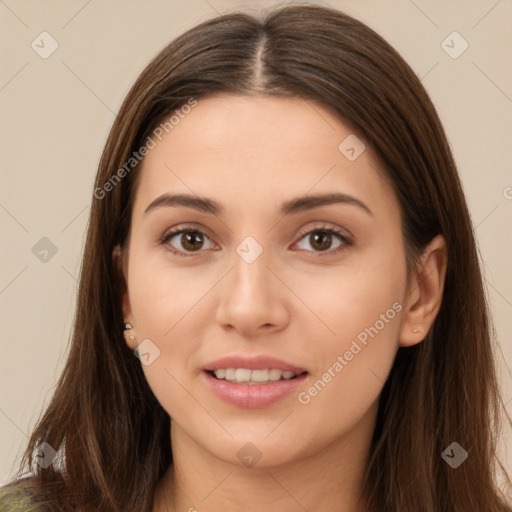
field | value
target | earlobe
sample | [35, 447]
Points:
[425, 293]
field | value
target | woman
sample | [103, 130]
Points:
[280, 304]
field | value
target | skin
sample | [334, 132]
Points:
[294, 302]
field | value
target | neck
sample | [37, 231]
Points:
[330, 479]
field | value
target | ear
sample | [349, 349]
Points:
[425, 293]
[120, 261]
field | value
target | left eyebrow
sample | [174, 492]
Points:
[300, 204]
[296, 205]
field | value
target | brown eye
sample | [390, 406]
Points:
[324, 240]
[185, 241]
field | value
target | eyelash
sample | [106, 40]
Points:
[346, 242]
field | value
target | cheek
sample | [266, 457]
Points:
[361, 306]
[163, 293]
[364, 293]
[164, 300]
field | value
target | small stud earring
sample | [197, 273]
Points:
[127, 327]
[415, 330]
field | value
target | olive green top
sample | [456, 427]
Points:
[15, 500]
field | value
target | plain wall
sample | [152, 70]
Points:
[56, 114]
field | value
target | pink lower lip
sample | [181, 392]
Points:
[256, 396]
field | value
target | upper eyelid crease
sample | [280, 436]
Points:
[292, 206]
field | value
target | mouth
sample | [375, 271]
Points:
[253, 389]
[253, 382]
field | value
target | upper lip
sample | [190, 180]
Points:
[261, 362]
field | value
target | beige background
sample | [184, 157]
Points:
[56, 113]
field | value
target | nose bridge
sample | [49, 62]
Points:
[250, 279]
[250, 297]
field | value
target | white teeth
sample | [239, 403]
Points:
[252, 376]
[220, 374]
[242, 375]
[275, 375]
[260, 375]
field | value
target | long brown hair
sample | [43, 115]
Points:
[112, 434]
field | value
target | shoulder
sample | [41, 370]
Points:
[15, 497]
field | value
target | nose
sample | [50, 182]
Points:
[253, 301]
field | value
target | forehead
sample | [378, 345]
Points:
[255, 149]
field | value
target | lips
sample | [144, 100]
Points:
[253, 382]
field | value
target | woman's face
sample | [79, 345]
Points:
[257, 287]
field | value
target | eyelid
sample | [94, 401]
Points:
[327, 226]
